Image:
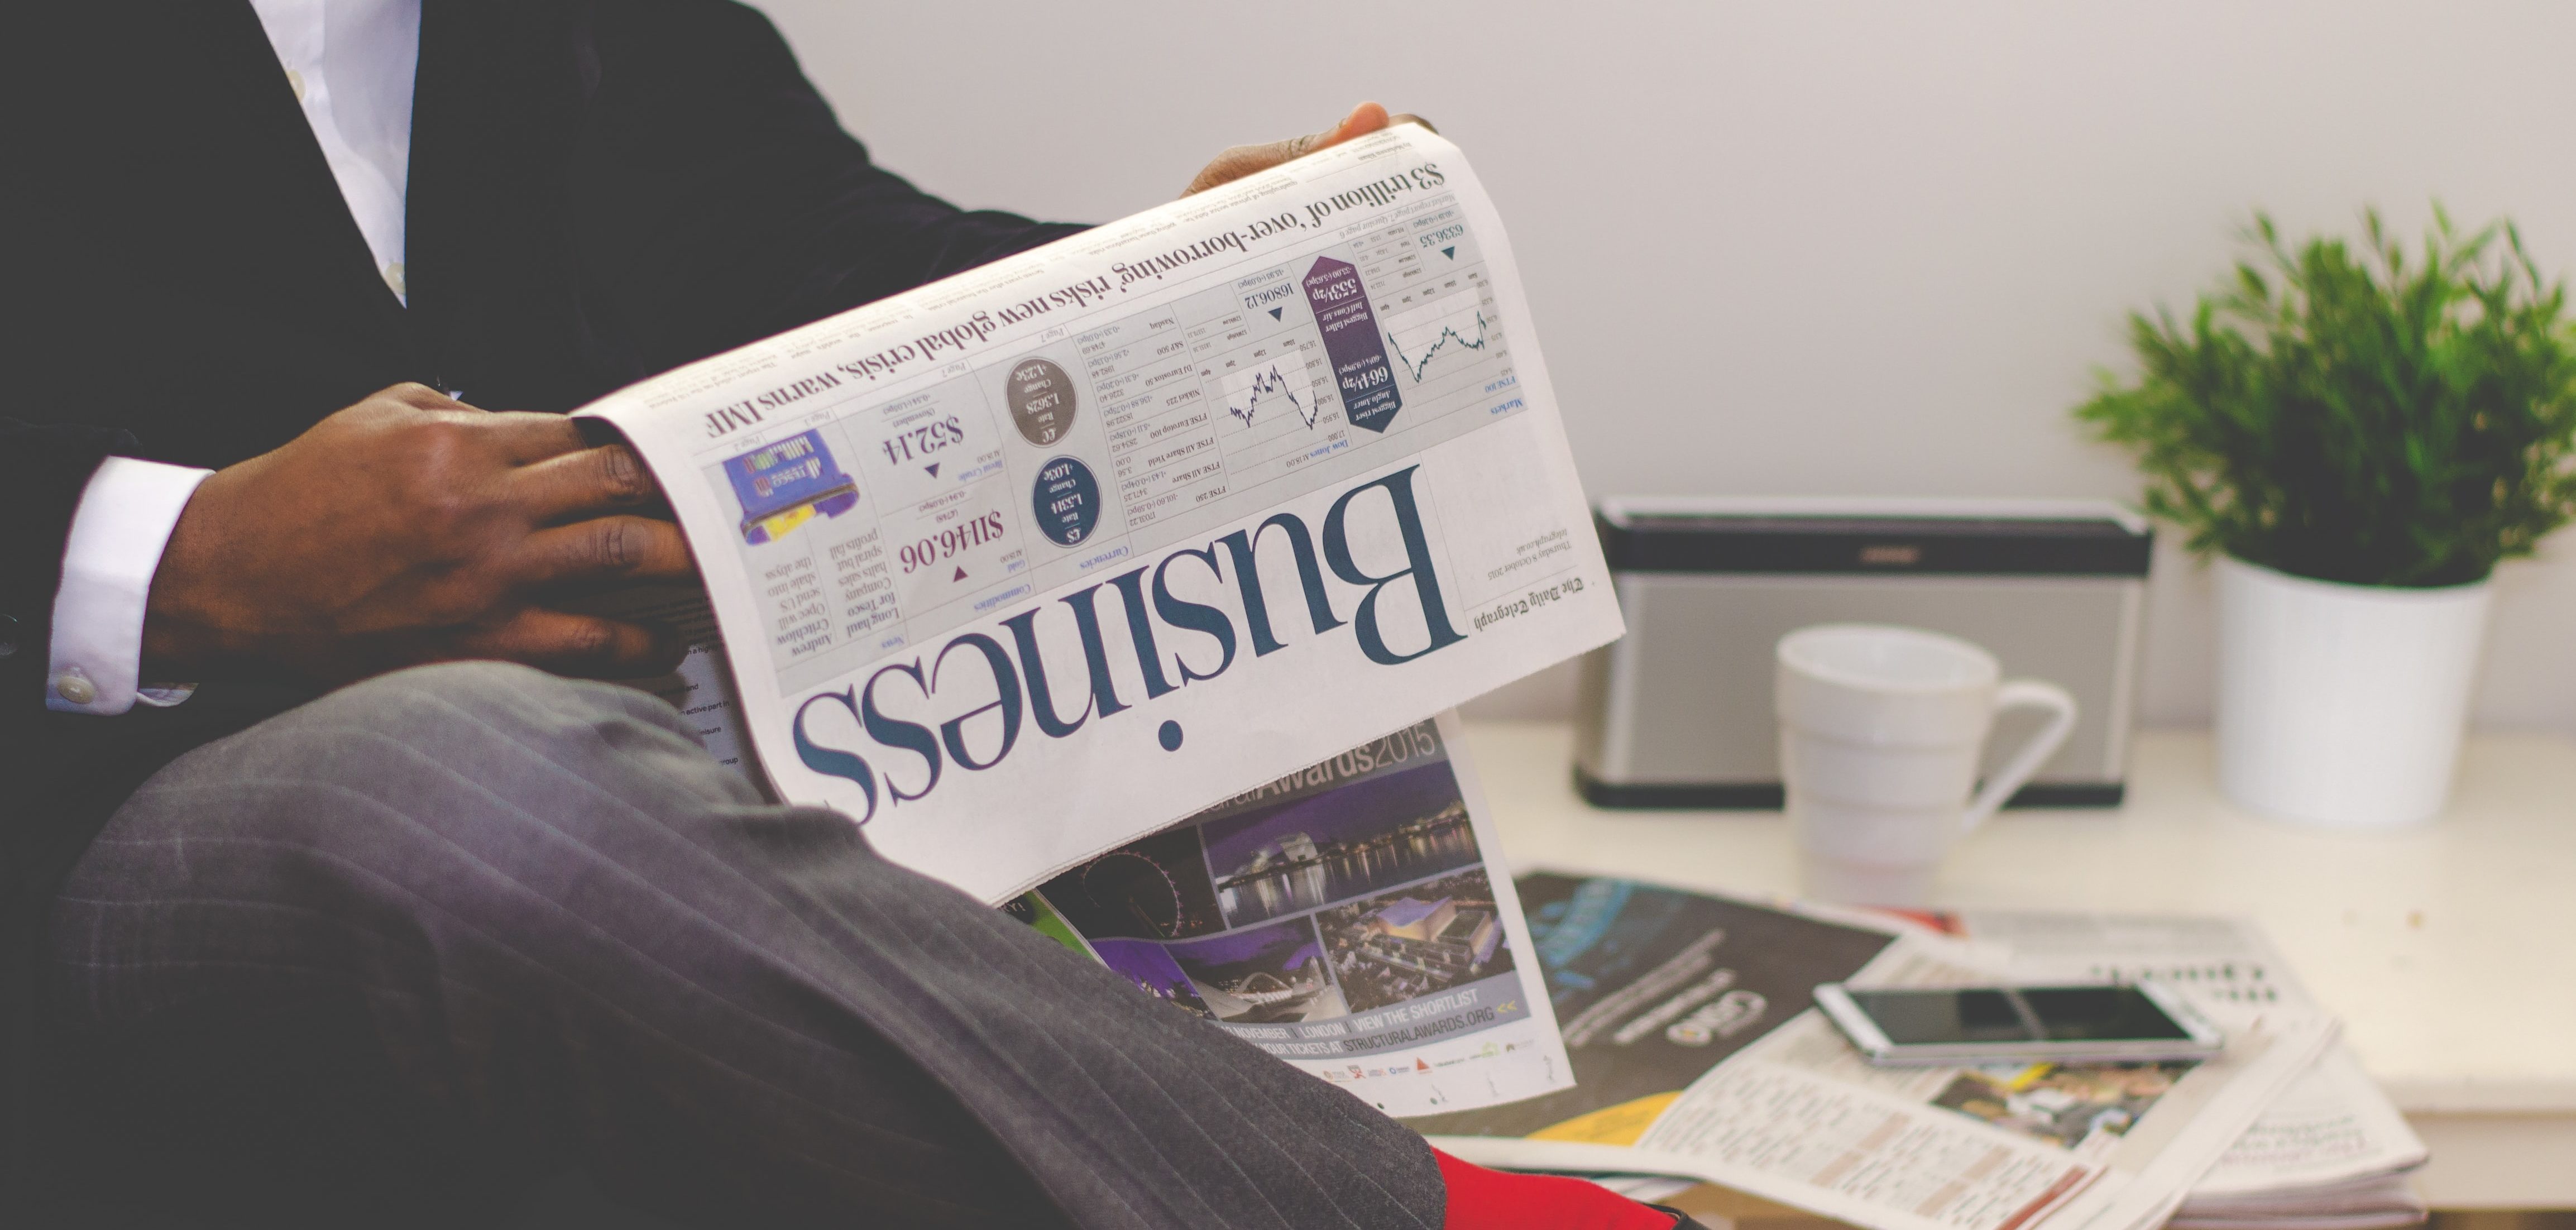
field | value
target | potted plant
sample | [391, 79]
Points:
[2360, 435]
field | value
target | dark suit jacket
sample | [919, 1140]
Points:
[599, 190]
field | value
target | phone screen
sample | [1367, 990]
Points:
[2020, 1014]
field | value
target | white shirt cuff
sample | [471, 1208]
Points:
[118, 533]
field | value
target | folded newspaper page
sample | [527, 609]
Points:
[2332, 1140]
[1697, 1051]
[1652, 988]
[1037, 559]
[1345, 918]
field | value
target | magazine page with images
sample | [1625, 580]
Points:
[1347, 918]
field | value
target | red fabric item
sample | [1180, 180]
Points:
[1481, 1199]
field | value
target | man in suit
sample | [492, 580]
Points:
[332, 893]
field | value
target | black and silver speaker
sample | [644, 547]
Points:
[1678, 712]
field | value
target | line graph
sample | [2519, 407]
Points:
[1419, 335]
[1249, 390]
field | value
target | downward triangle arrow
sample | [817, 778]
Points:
[961, 575]
[1274, 312]
[933, 468]
[1451, 253]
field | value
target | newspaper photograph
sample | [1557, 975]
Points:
[1785, 1108]
[1344, 918]
[1032, 561]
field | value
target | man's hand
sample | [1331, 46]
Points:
[1242, 160]
[411, 528]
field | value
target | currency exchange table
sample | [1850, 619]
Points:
[2449, 950]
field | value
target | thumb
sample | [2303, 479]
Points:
[1242, 160]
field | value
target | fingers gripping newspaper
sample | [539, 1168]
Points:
[1025, 565]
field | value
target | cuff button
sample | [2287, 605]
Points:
[75, 687]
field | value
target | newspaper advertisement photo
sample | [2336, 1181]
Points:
[1115, 526]
[2064, 1104]
[1343, 918]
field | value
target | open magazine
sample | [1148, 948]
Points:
[1033, 561]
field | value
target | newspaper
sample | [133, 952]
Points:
[1035, 560]
[1678, 1073]
[699, 687]
[2331, 1141]
[1343, 918]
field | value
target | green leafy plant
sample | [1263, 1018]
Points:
[2372, 417]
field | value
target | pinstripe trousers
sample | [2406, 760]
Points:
[462, 925]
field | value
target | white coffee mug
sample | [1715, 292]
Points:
[1881, 732]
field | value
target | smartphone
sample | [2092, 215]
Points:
[1913, 1027]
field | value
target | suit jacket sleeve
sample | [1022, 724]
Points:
[42, 471]
[721, 201]
[43, 468]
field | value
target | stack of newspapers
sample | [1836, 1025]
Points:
[1127, 584]
[1697, 1052]
[2329, 1153]
[1348, 919]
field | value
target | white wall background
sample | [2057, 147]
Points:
[1894, 239]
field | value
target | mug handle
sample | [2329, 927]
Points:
[2023, 694]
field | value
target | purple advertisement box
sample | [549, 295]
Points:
[1358, 354]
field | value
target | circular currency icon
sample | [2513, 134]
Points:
[1066, 501]
[1041, 398]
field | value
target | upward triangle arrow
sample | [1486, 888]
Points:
[1451, 253]
[1274, 312]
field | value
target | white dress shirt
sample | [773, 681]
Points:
[350, 63]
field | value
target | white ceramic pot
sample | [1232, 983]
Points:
[2342, 705]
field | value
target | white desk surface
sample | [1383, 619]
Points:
[2449, 950]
